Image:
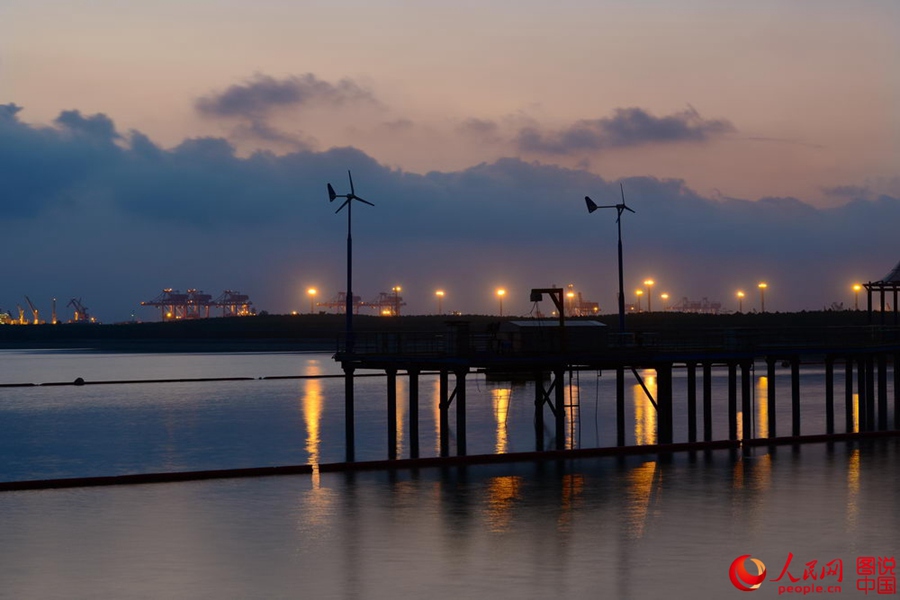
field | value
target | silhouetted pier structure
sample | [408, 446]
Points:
[866, 354]
[890, 284]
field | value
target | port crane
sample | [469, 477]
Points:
[81, 311]
[34, 310]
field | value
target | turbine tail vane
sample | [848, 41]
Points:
[332, 195]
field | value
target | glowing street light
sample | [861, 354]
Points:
[639, 293]
[500, 293]
[440, 297]
[649, 283]
[396, 289]
[740, 297]
[311, 292]
[762, 296]
[665, 299]
[856, 289]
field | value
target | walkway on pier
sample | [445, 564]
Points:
[865, 354]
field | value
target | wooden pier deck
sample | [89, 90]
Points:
[866, 354]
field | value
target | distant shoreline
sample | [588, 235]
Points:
[324, 332]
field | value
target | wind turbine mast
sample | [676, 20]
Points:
[348, 202]
[620, 208]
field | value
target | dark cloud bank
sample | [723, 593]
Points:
[113, 218]
[627, 127]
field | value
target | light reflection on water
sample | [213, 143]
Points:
[68, 431]
[624, 528]
[636, 527]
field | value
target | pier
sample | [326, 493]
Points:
[546, 352]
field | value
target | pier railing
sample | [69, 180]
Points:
[552, 340]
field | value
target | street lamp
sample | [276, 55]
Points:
[665, 299]
[649, 283]
[762, 296]
[396, 289]
[500, 293]
[312, 299]
[856, 289]
[570, 297]
[740, 297]
[440, 297]
[639, 293]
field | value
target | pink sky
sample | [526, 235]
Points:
[738, 101]
[811, 88]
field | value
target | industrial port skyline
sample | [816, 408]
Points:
[172, 304]
[209, 168]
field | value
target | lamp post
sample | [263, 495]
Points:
[740, 297]
[500, 293]
[856, 288]
[649, 283]
[762, 296]
[440, 297]
[396, 289]
[639, 293]
[665, 299]
[312, 299]
[570, 301]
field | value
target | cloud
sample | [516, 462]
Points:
[8, 111]
[113, 217]
[846, 192]
[98, 127]
[261, 94]
[626, 128]
[478, 126]
[399, 125]
[255, 102]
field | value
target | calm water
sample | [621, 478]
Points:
[599, 528]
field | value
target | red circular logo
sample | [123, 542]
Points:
[741, 577]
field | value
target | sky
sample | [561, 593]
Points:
[187, 144]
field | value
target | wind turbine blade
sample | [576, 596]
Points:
[331, 194]
[628, 209]
[352, 191]
[363, 201]
[346, 202]
[622, 189]
[591, 205]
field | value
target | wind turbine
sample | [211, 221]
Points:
[348, 202]
[620, 208]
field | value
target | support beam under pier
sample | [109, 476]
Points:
[392, 413]
[413, 413]
[770, 397]
[349, 425]
[707, 402]
[795, 396]
[746, 401]
[664, 408]
[732, 400]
